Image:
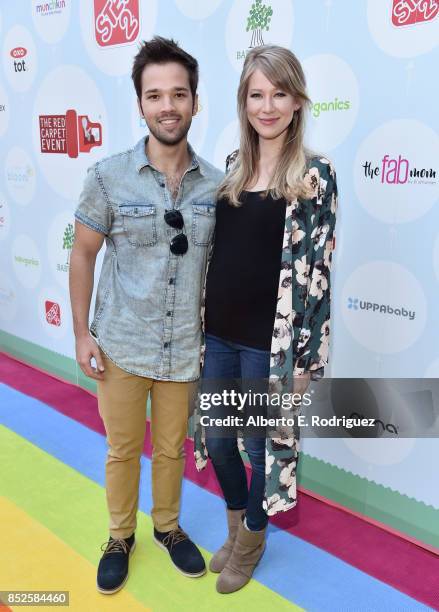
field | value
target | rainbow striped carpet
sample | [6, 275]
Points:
[53, 515]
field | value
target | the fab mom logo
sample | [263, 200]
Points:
[69, 134]
[398, 171]
[410, 12]
[117, 22]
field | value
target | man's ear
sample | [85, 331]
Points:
[139, 106]
[196, 106]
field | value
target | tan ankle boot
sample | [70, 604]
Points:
[247, 551]
[221, 557]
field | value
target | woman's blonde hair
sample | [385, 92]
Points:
[282, 68]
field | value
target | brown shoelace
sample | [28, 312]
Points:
[174, 537]
[116, 545]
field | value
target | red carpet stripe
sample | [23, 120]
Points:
[389, 558]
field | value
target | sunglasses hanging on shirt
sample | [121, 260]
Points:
[179, 244]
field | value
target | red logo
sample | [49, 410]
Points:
[116, 22]
[53, 313]
[18, 52]
[69, 133]
[409, 12]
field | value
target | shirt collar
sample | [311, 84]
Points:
[142, 160]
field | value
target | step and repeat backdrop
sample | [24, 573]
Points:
[66, 100]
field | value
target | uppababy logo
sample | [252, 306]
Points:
[69, 134]
[409, 12]
[117, 22]
[358, 304]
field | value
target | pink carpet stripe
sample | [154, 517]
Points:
[383, 555]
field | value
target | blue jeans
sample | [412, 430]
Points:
[228, 360]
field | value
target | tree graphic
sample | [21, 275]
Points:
[258, 19]
[67, 241]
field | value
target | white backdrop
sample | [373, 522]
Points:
[371, 67]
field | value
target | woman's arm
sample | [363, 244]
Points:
[312, 344]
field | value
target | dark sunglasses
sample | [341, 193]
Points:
[179, 244]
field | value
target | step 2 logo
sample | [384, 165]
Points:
[117, 22]
[69, 134]
[398, 171]
[53, 313]
[19, 63]
[410, 12]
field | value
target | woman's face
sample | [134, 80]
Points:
[270, 110]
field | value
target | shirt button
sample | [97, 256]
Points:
[171, 281]
[169, 313]
[162, 184]
[166, 344]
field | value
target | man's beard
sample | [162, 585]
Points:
[170, 139]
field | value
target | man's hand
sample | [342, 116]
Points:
[86, 349]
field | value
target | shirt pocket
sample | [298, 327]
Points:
[139, 223]
[203, 222]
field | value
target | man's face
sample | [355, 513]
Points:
[166, 103]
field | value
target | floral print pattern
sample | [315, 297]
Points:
[300, 340]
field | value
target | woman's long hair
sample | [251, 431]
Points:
[282, 68]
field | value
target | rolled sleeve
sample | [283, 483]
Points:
[93, 209]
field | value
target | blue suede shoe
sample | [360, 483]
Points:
[184, 554]
[113, 566]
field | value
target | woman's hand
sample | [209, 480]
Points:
[301, 382]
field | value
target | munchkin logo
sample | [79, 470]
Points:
[69, 134]
[53, 313]
[357, 304]
[398, 171]
[50, 8]
[117, 22]
[411, 12]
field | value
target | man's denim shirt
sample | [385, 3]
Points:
[148, 302]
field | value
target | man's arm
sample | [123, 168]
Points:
[82, 264]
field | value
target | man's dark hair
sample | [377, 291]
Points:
[160, 50]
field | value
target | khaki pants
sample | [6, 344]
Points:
[122, 399]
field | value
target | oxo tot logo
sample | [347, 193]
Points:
[117, 22]
[397, 170]
[410, 12]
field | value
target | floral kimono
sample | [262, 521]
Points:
[300, 340]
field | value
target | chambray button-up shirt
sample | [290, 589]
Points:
[147, 314]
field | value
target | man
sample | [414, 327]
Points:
[154, 205]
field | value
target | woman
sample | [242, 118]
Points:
[267, 302]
